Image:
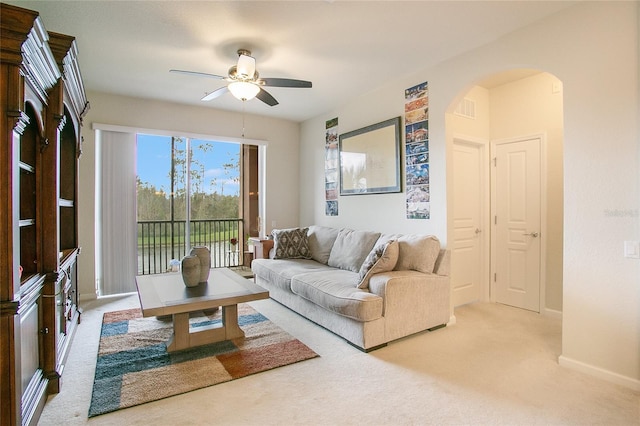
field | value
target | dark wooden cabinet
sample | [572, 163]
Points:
[42, 101]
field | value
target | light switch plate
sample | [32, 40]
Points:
[632, 249]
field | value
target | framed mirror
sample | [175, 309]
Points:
[370, 159]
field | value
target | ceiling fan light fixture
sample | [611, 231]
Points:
[243, 90]
[246, 67]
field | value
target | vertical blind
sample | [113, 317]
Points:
[116, 254]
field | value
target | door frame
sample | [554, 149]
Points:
[485, 216]
[542, 137]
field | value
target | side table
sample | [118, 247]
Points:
[246, 259]
[261, 247]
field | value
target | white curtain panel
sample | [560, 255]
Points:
[116, 229]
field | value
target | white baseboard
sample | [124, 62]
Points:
[92, 297]
[601, 373]
[552, 313]
[85, 298]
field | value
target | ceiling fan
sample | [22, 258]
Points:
[245, 82]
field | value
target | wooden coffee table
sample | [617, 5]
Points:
[166, 294]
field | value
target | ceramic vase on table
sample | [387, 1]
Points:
[204, 255]
[190, 267]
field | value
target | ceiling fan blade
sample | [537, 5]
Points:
[216, 93]
[285, 82]
[266, 97]
[198, 74]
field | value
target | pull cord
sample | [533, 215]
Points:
[243, 101]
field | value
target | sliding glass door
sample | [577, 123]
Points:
[188, 195]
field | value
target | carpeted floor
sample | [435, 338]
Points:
[243, 271]
[133, 366]
[497, 366]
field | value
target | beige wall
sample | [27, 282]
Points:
[480, 127]
[281, 138]
[593, 49]
[381, 212]
[528, 106]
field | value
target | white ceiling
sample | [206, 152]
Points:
[345, 48]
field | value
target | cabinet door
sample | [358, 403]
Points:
[29, 345]
[30, 331]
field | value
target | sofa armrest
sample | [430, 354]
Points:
[413, 301]
[443, 263]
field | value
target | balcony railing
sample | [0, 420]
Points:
[161, 241]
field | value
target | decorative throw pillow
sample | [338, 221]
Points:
[291, 243]
[382, 258]
[418, 253]
[321, 239]
[351, 248]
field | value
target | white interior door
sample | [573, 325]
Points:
[517, 195]
[468, 204]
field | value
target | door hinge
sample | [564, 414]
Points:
[495, 277]
[495, 220]
[495, 161]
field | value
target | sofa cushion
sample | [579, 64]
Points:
[279, 271]
[321, 239]
[417, 252]
[291, 243]
[384, 237]
[383, 258]
[351, 248]
[335, 290]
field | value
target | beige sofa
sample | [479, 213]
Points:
[367, 287]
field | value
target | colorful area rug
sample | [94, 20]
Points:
[134, 367]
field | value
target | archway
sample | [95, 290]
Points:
[498, 109]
